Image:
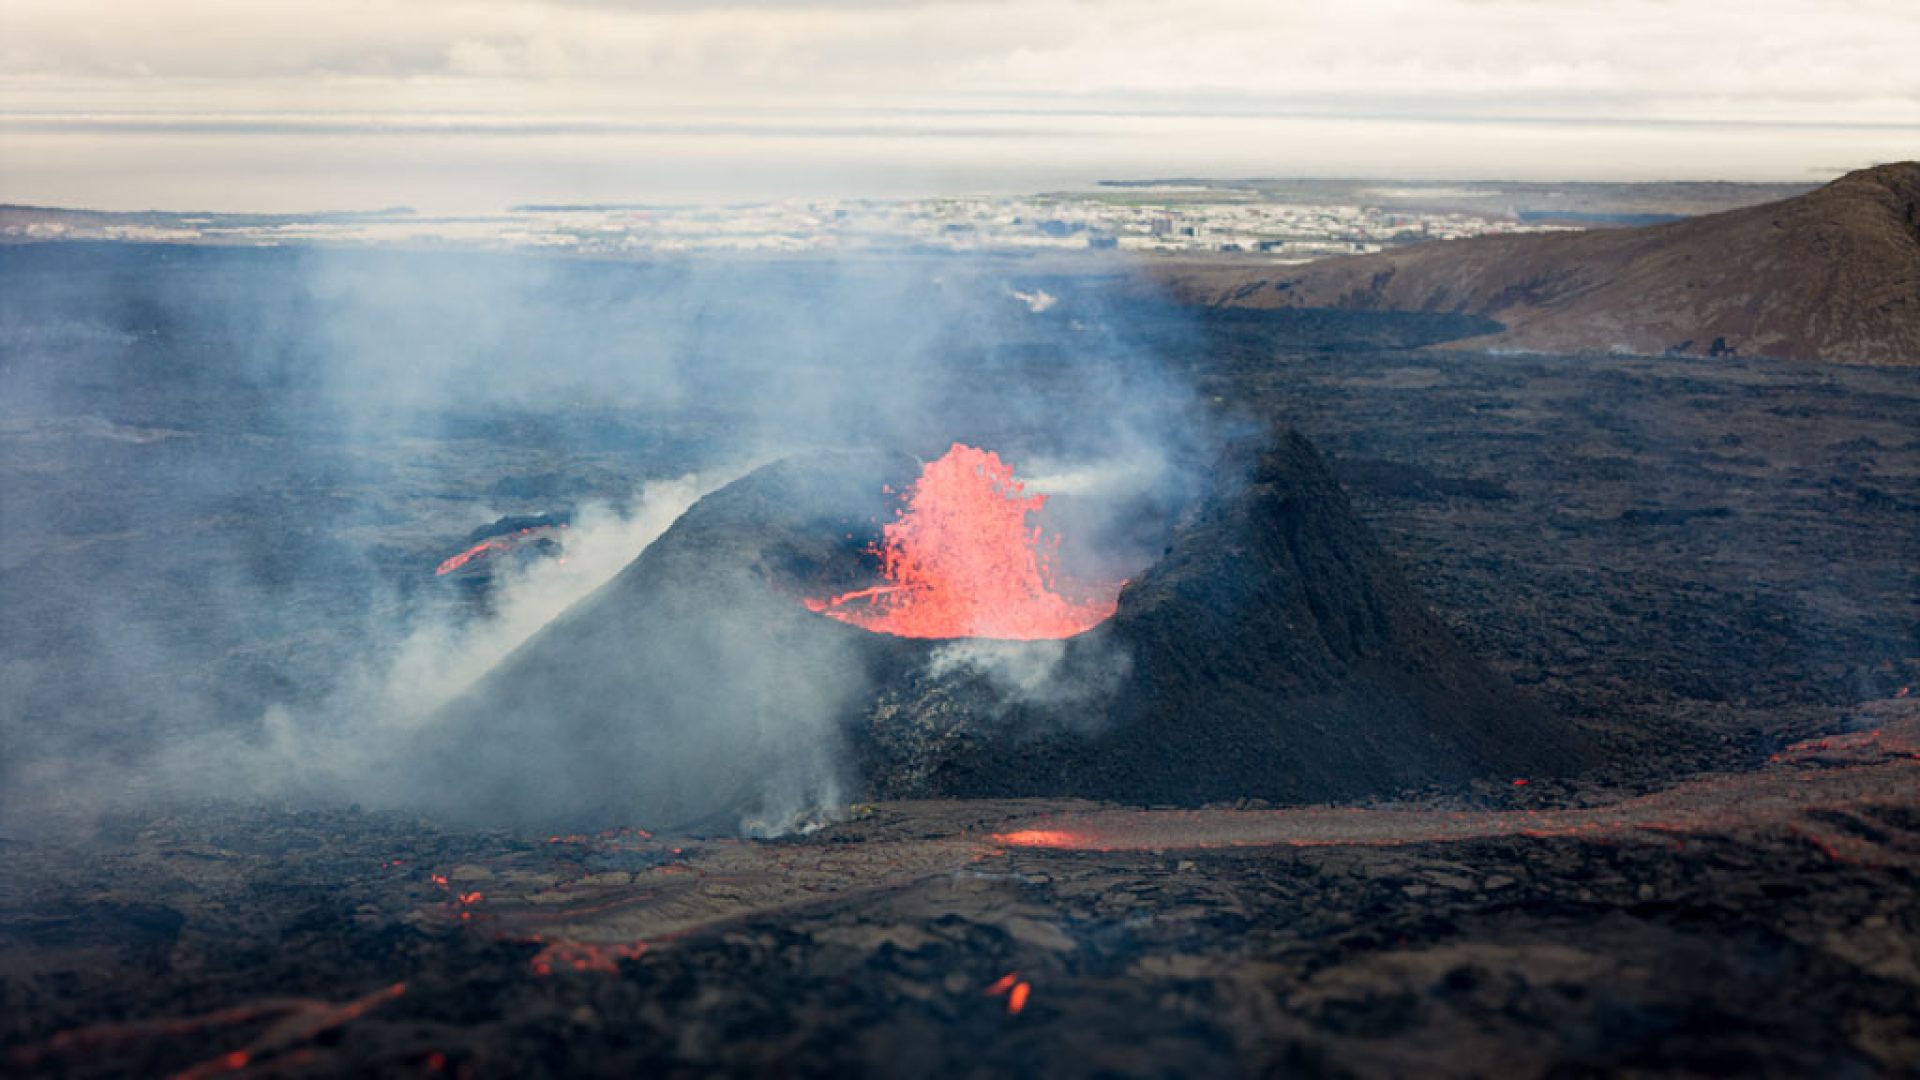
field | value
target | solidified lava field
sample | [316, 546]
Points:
[1758, 922]
[1708, 566]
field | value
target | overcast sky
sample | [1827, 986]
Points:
[467, 104]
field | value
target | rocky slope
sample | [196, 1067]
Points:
[1832, 275]
[1274, 652]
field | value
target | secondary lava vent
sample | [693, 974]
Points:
[962, 561]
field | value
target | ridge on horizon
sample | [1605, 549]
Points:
[1831, 275]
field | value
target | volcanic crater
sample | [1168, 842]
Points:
[1273, 651]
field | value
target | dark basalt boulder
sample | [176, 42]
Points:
[1274, 651]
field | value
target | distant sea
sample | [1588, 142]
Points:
[483, 164]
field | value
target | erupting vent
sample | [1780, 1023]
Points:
[961, 561]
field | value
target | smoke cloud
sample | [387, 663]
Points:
[439, 659]
[1036, 673]
[235, 471]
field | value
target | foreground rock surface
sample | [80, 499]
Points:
[1427, 939]
[1272, 652]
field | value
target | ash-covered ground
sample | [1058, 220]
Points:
[1700, 563]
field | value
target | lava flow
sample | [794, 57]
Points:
[478, 550]
[492, 544]
[961, 561]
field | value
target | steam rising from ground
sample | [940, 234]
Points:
[243, 605]
[339, 747]
[439, 659]
[1036, 673]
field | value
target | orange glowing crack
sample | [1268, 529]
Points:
[1015, 988]
[961, 561]
[295, 1022]
[476, 551]
[488, 546]
[581, 956]
[1017, 1000]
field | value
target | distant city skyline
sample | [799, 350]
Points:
[473, 105]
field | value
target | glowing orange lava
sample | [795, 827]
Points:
[1016, 989]
[505, 542]
[961, 561]
[581, 956]
[455, 562]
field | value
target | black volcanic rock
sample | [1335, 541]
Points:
[1273, 652]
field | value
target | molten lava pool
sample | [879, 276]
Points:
[962, 561]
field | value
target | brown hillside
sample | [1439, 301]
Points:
[1830, 275]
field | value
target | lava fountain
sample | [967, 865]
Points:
[961, 561]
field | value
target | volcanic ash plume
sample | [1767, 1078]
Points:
[961, 561]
